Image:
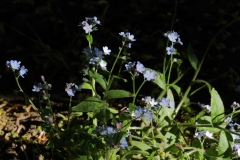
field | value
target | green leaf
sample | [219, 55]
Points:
[160, 80]
[134, 152]
[141, 145]
[113, 154]
[176, 88]
[172, 136]
[192, 57]
[207, 120]
[86, 85]
[217, 108]
[117, 94]
[99, 78]
[114, 111]
[170, 95]
[89, 105]
[151, 156]
[89, 38]
[225, 144]
[117, 137]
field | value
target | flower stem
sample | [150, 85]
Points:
[21, 90]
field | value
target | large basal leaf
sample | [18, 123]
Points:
[160, 80]
[217, 110]
[99, 78]
[140, 145]
[225, 144]
[192, 57]
[117, 94]
[89, 105]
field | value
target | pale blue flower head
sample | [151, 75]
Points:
[89, 24]
[172, 36]
[164, 102]
[98, 53]
[123, 143]
[106, 51]
[130, 66]
[22, 71]
[37, 88]
[148, 115]
[149, 75]
[170, 50]
[87, 28]
[140, 68]
[71, 91]
[13, 64]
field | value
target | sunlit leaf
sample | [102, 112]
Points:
[217, 108]
[141, 145]
[117, 94]
[160, 80]
[89, 105]
[99, 78]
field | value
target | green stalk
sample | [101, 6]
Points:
[21, 90]
[110, 75]
[135, 95]
[199, 67]
[69, 111]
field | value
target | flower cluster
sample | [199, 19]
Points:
[15, 65]
[108, 133]
[174, 38]
[144, 113]
[236, 149]
[96, 56]
[203, 133]
[71, 91]
[235, 105]
[206, 107]
[127, 37]
[89, 24]
[147, 73]
[160, 102]
[42, 87]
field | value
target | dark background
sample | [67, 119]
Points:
[44, 35]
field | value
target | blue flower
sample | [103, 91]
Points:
[130, 66]
[140, 68]
[110, 131]
[138, 113]
[13, 64]
[102, 130]
[172, 36]
[148, 116]
[171, 104]
[22, 71]
[98, 53]
[87, 28]
[170, 50]
[127, 36]
[88, 52]
[37, 88]
[71, 91]
[164, 102]
[149, 75]
[123, 143]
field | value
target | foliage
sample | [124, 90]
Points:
[147, 129]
